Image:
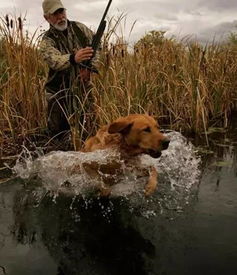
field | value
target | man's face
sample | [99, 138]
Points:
[58, 19]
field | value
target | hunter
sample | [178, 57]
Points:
[64, 47]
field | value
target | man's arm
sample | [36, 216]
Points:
[90, 34]
[58, 61]
[53, 57]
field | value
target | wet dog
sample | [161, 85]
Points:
[131, 136]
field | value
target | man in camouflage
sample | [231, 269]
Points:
[64, 46]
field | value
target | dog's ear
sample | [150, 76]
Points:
[121, 126]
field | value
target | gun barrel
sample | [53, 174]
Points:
[106, 10]
[98, 36]
[102, 24]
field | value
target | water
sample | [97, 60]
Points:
[51, 223]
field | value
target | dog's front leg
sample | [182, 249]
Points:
[104, 191]
[152, 182]
[95, 171]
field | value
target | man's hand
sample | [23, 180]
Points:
[83, 54]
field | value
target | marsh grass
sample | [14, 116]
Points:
[22, 78]
[188, 86]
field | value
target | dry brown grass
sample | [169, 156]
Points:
[188, 86]
[22, 98]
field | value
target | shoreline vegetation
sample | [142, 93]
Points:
[189, 87]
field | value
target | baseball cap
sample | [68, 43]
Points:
[50, 6]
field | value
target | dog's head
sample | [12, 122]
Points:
[141, 135]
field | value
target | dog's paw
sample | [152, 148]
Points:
[104, 192]
[152, 183]
[149, 190]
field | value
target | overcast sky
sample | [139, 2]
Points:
[201, 19]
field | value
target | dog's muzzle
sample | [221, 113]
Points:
[157, 153]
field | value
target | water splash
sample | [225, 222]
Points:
[63, 172]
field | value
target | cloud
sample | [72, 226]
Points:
[200, 18]
[219, 32]
[166, 16]
[219, 5]
[5, 5]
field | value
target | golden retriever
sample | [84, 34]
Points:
[132, 135]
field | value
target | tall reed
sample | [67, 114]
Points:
[188, 86]
[22, 99]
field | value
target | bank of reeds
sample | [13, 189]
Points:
[188, 86]
[22, 76]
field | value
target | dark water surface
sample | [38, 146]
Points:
[65, 237]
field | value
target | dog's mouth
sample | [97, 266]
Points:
[154, 154]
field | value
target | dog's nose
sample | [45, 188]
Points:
[165, 143]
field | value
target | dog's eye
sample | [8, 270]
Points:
[147, 129]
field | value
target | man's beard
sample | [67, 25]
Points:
[62, 26]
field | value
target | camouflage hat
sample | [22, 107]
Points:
[50, 6]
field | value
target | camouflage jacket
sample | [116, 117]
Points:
[56, 48]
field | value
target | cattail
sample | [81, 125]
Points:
[122, 52]
[136, 50]
[11, 24]
[20, 23]
[7, 21]
[107, 59]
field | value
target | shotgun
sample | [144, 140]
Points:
[97, 39]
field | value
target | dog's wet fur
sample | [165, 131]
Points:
[132, 136]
